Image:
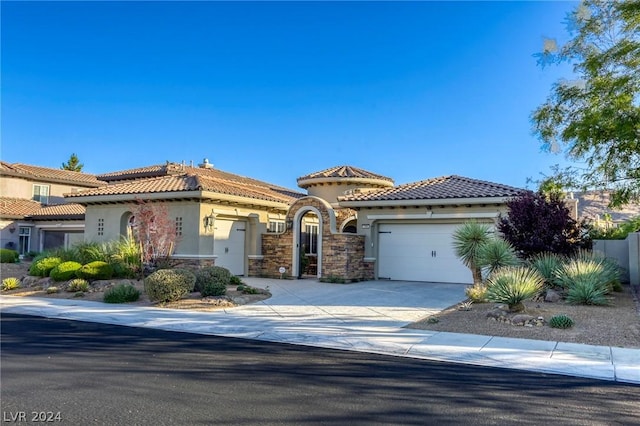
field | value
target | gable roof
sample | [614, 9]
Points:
[17, 208]
[440, 188]
[47, 174]
[179, 178]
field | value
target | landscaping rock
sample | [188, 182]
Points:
[521, 319]
[495, 313]
[552, 296]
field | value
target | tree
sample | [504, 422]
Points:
[596, 118]
[537, 223]
[73, 164]
[154, 230]
[467, 240]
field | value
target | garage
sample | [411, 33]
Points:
[420, 252]
[228, 245]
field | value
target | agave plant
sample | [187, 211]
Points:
[496, 253]
[547, 264]
[467, 240]
[512, 285]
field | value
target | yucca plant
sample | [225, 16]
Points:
[587, 289]
[467, 240]
[547, 264]
[597, 269]
[496, 253]
[512, 285]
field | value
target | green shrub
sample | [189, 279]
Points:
[213, 275]
[477, 293]
[52, 290]
[42, 266]
[97, 270]
[78, 284]
[547, 264]
[122, 293]
[496, 253]
[560, 321]
[235, 280]
[587, 290]
[8, 256]
[169, 285]
[88, 252]
[65, 271]
[10, 283]
[512, 285]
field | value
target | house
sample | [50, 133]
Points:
[348, 223]
[34, 215]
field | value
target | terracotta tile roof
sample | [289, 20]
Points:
[17, 207]
[179, 178]
[69, 211]
[48, 174]
[446, 187]
[345, 172]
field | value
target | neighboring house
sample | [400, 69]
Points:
[33, 213]
[351, 224]
[593, 206]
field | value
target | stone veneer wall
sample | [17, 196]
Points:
[277, 251]
[342, 254]
[193, 263]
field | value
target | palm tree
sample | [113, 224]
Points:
[467, 240]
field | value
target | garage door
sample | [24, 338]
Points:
[420, 252]
[229, 245]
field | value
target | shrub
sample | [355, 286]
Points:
[513, 285]
[52, 290]
[235, 280]
[587, 290]
[496, 253]
[547, 264]
[78, 284]
[477, 293]
[169, 285]
[65, 271]
[42, 267]
[10, 283]
[90, 252]
[97, 270]
[560, 321]
[536, 223]
[8, 256]
[213, 275]
[122, 293]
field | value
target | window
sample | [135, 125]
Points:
[41, 193]
[310, 239]
[100, 226]
[276, 226]
[24, 240]
[178, 226]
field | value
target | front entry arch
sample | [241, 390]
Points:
[298, 227]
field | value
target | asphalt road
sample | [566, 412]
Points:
[86, 373]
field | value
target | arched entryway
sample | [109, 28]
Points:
[307, 242]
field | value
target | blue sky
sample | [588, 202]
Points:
[410, 90]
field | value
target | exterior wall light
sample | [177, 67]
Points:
[208, 222]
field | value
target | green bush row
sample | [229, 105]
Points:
[8, 256]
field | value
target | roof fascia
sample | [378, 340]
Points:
[429, 202]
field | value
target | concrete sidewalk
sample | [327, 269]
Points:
[365, 317]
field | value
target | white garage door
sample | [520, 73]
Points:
[420, 252]
[229, 245]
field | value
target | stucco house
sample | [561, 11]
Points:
[34, 214]
[351, 224]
